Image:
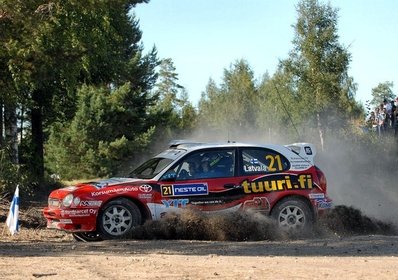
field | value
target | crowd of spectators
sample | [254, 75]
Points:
[383, 119]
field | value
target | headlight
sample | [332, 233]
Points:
[67, 201]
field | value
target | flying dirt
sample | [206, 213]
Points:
[246, 226]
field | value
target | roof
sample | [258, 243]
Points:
[193, 145]
[305, 150]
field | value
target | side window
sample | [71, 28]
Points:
[256, 160]
[206, 164]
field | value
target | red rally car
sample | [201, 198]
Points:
[280, 181]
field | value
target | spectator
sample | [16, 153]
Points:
[386, 108]
[393, 117]
[380, 118]
[395, 113]
[371, 123]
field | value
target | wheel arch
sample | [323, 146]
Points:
[145, 213]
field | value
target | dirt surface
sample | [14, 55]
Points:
[333, 254]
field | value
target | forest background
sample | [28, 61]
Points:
[79, 98]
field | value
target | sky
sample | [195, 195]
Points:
[204, 37]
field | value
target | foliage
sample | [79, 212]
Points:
[11, 174]
[318, 68]
[108, 127]
[279, 110]
[382, 92]
[52, 48]
[233, 105]
[175, 114]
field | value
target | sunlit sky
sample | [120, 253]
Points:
[204, 37]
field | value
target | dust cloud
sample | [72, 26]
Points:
[191, 224]
[363, 176]
[362, 181]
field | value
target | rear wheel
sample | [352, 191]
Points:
[118, 219]
[87, 236]
[293, 215]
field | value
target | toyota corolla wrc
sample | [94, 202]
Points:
[280, 181]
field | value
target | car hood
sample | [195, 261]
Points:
[91, 186]
[110, 182]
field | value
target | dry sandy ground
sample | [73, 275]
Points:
[54, 255]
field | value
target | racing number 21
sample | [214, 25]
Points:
[275, 163]
[167, 190]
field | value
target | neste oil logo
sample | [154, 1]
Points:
[278, 183]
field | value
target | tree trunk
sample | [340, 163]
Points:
[1, 124]
[320, 130]
[11, 131]
[21, 119]
[37, 135]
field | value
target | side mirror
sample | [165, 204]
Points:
[169, 176]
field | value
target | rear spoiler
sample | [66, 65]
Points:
[306, 151]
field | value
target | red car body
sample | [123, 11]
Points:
[280, 181]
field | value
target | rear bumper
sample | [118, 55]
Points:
[71, 220]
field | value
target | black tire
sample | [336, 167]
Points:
[293, 215]
[118, 218]
[87, 236]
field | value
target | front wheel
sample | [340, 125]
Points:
[118, 219]
[293, 215]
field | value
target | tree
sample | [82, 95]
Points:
[233, 106]
[108, 128]
[382, 92]
[189, 115]
[9, 98]
[53, 48]
[175, 113]
[279, 109]
[318, 66]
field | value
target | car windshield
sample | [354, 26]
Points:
[150, 168]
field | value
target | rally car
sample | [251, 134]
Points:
[280, 181]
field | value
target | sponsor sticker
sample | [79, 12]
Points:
[176, 203]
[207, 202]
[324, 204]
[65, 221]
[274, 183]
[145, 195]
[316, 195]
[115, 190]
[90, 203]
[257, 203]
[184, 189]
[78, 212]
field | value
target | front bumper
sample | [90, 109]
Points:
[71, 220]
